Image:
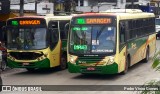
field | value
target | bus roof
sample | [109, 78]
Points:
[58, 17]
[49, 17]
[121, 13]
[27, 17]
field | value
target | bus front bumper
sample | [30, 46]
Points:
[39, 64]
[108, 69]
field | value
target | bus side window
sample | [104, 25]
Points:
[54, 34]
[122, 33]
[63, 29]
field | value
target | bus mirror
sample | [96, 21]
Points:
[67, 26]
[53, 24]
[51, 30]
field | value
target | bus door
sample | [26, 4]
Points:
[122, 46]
[64, 27]
[55, 44]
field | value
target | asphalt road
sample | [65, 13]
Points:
[137, 75]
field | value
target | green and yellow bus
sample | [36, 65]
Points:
[36, 42]
[111, 41]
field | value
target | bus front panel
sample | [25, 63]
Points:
[92, 45]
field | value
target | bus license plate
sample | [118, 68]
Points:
[91, 68]
[25, 64]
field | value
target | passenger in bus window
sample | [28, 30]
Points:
[110, 34]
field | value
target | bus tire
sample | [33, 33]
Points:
[126, 65]
[146, 59]
[63, 62]
[30, 69]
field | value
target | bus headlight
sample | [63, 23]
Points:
[110, 61]
[11, 58]
[41, 58]
[72, 59]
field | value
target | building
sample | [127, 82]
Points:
[84, 5]
[101, 5]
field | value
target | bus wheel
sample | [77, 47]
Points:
[126, 66]
[63, 63]
[147, 55]
[30, 69]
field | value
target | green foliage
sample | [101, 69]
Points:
[156, 61]
[154, 83]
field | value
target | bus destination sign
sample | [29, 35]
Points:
[26, 22]
[93, 20]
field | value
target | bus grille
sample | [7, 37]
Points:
[90, 59]
[25, 55]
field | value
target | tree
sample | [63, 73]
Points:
[156, 82]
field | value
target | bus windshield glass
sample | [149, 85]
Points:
[92, 39]
[26, 38]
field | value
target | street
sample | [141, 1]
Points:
[137, 75]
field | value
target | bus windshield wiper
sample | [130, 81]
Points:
[83, 34]
[99, 33]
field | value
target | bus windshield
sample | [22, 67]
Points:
[92, 39]
[26, 38]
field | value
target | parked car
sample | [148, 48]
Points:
[157, 23]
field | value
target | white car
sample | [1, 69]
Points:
[157, 23]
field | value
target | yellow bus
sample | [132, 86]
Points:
[36, 42]
[111, 41]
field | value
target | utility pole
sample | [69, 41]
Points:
[21, 8]
[36, 5]
[98, 5]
